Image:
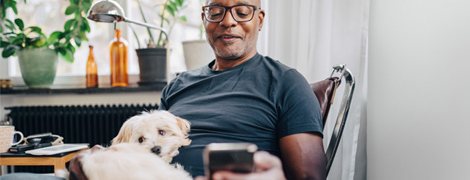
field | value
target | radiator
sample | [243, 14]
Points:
[93, 124]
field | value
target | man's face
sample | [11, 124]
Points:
[232, 40]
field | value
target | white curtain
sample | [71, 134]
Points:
[313, 36]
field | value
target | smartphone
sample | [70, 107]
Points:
[235, 157]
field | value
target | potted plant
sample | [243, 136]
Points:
[153, 58]
[197, 53]
[38, 53]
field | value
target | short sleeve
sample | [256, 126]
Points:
[298, 108]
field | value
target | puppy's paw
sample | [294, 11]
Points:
[63, 174]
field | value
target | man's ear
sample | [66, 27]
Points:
[261, 15]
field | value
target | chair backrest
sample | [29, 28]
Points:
[325, 91]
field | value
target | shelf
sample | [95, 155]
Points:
[132, 88]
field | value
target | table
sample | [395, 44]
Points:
[23, 159]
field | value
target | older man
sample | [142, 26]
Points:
[243, 96]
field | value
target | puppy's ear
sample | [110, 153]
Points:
[124, 134]
[184, 125]
[186, 142]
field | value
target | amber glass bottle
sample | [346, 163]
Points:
[118, 49]
[91, 70]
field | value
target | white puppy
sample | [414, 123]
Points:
[123, 161]
[160, 131]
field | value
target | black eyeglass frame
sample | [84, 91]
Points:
[229, 8]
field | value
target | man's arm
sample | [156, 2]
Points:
[303, 156]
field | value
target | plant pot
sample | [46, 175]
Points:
[197, 53]
[152, 66]
[38, 66]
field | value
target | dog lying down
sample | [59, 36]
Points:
[159, 131]
[143, 149]
[123, 161]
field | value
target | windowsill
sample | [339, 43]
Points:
[132, 88]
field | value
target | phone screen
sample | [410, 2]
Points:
[235, 157]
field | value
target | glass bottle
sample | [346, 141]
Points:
[118, 49]
[91, 70]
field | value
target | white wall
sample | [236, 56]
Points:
[419, 97]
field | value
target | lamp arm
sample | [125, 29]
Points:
[147, 25]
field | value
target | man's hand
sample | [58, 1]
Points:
[267, 167]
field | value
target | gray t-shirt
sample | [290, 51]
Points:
[258, 101]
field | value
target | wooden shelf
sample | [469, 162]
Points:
[132, 88]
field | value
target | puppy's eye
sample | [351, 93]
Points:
[161, 132]
[141, 139]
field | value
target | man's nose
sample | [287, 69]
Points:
[228, 20]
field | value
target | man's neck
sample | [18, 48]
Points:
[224, 64]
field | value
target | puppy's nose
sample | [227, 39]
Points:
[156, 149]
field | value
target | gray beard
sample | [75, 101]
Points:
[230, 56]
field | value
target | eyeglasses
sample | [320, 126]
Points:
[241, 13]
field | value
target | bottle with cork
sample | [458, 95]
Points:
[91, 70]
[118, 50]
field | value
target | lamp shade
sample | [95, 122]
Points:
[108, 11]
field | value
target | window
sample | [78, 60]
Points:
[49, 15]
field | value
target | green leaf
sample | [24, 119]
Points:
[171, 10]
[71, 9]
[86, 6]
[83, 36]
[61, 50]
[8, 51]
[69, 24]
[3, 44]
[18, 40]
[70, 47]
[179, 2]
[68, 55]
[85, 26]
[19, 23]
[182, 18]
[54, 37]
[35, 29]
[78, 40]
[74, 2]
[13, 6]
[10, 25]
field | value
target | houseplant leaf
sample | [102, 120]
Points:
[35, 29]
[10, 25]
[70, 23]
[19, 23]
[54, 37]
[171, 9]
[71, 9]
[8, 51]
[182, 18]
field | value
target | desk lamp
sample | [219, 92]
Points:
[109, 11]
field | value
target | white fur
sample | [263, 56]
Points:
[148, 125]
[128, 161]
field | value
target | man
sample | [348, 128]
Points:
[242, 96]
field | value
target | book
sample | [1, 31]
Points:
[51, 150]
